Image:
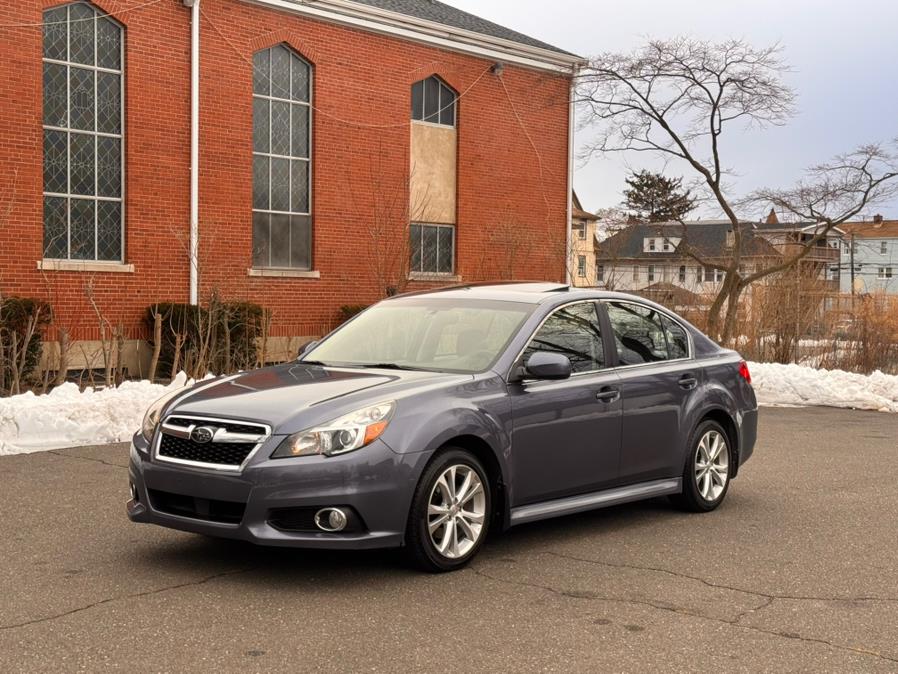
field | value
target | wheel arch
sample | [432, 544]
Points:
[486, 454]
[725, 419]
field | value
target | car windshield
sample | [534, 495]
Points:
[441, 335]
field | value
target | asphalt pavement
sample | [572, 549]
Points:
[797, 571]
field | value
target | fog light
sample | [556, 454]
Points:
[331, 519]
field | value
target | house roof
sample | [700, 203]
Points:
[886, 229]
[439, 12]
[580, 214]
[707, 238]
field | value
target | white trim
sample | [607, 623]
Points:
[84, 266]
[570, 187]
[433, 276]
[396, 24]
[193, 251]
[276, 272]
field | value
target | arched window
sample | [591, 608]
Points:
[282, 222]
[83, 123]
[433, 101]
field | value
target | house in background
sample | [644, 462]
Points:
[652, 258]
[872, 248]
[583, 241]
[346, 149]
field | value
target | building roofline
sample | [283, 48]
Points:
[396, 24]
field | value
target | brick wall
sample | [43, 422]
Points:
[506, 186]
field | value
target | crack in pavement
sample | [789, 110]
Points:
[735, 622]
[85, 458]
[678, 574]
[136, 595]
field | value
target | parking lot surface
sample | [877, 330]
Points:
[797, 571]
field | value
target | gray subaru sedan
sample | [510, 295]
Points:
[431, 418]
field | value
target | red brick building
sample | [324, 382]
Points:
[346, 149]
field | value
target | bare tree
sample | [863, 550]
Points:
[674, 98]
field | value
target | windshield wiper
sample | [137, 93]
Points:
[385, 366]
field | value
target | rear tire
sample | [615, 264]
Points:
[708, 470]
[450, 512]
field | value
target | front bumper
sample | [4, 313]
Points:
[376, 482]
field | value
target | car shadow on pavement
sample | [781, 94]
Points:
[299, 567]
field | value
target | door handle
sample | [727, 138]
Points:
[687, 381]
[608, 395]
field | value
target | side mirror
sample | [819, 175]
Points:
[305, 348]
[547, 365]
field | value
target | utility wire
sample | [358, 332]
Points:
[360, 125]
[91, 18]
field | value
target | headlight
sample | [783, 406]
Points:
[151, 418]
[349, 432]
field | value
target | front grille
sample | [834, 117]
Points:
[211, 452]
[213, 510]
[232, 441]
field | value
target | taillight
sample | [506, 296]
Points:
[743, 371]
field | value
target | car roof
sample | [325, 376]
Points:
[529, 292]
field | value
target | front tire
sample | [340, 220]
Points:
[706, 478]
[450, 512]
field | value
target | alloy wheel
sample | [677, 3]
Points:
[456, 511]
[712, 465]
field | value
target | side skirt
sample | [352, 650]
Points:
[599, 499]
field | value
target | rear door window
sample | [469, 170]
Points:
[638, 333]
[677, 341]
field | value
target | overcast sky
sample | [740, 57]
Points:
[844, 57]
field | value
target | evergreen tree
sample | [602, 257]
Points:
[653, 198]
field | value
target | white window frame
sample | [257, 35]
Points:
[883, 247]
[884, 274]
[650, 273]
[581, 266]
[68, 130]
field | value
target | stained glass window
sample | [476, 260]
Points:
[282, 222]
[83, 177]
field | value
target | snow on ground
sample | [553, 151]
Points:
[67, 417]
[777, 384]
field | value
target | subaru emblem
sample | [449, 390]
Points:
[202, 434]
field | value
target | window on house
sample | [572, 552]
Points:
[651, 274]
[82, 124]
[433, 101]
[282, 221]
[581, 265]
[884, 273]
[666, 246]
[600, 273]
[682, 275]
[635, 272]
[579, 230]
[883, 247]
[651, 244]
[432, 248]
[699, 278]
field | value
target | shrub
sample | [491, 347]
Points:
[19, 317]
[220, 338]
[347, 311]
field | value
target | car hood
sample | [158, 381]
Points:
[294, 396]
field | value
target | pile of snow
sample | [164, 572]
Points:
[777, 384]
[68, 417]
